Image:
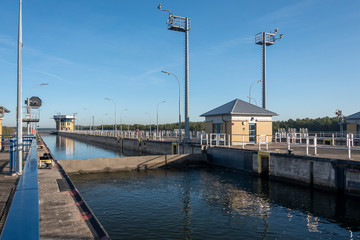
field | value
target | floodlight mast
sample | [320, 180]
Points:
[266, 39]
[182, 24]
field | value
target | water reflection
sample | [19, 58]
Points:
[66, 149]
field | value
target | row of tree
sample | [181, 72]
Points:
[313, 125]
[193, 126]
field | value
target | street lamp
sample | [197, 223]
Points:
[109, 99]
[90, 116]
[266, 39]
[19, 134]
[256, 81]
[157, 117]
[28, 108]
[168, 73]
[182, 24]
[121, 119]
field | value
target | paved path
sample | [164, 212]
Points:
[7, 185]
[60, 218]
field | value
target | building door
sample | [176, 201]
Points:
[252, 133]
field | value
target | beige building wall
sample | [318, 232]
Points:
[238, 129]
[264, 128]
[351, 127]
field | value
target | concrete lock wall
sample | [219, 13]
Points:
[129, 163]
[140, 145]
[331, 174]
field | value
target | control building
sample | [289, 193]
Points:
[65, 123]
[240, 120]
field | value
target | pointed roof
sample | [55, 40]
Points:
[4, 110]
[354, 116]
[239, 107]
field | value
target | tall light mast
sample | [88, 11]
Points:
[265, 39]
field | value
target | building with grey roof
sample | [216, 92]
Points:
[240, 120]
[353, 123]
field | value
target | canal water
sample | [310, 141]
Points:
[209, 203]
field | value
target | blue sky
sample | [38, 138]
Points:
[89, 50]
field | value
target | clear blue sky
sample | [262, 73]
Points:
[89, 50]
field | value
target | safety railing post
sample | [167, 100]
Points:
[12, 155]
[307, 146]
[288, 142]
[266, 141]
[259, 143]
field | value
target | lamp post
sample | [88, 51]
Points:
[157, 117]
[121, 119]
[28, 108]
[19, 135]
[182, 24]
[90, 116]
[265, 39]
[168, 73]
[256, 81]
[109, 99]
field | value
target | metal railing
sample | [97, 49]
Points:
[5, 142]
[23, 219]
[166, 136]
[301, 141]
[27, 141]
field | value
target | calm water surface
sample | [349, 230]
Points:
[68, 149]
[214, 203]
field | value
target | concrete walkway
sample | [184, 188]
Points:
[7, 185]
[60, 218]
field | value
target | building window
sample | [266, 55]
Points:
[217, 127]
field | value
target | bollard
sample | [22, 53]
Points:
[333, 140]
[243, 143]
[315, 145]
